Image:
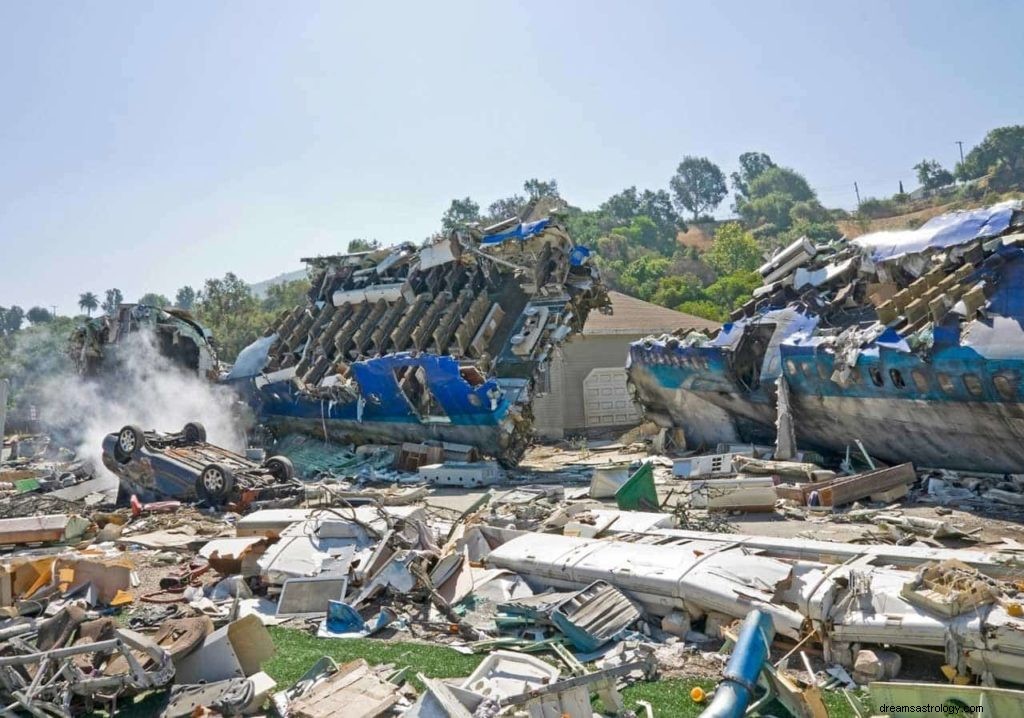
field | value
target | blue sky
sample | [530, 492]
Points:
[146, 146]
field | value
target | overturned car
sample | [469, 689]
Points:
[153, 465]
[437, 342]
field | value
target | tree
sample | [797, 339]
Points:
[113, 301]
[232, 314]
[286, 295]
[154, 300]
[641, 276]
[674, 290]
[185, 298]
[39, 315]
[932, 175]
[1002, 150]
[752, 166]
[730, 291]
[536, 189]
[12, 319]
[623, 206]
[88, 302]
[770, 198]
[506, 207]
[658, 206]
[781, 180]
[460, 213]
[362, 245]
[698, 185]
[733, 250]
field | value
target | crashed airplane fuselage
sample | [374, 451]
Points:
[908, 341]
[438, 342]
[96, 346]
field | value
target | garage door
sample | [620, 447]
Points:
[606, 401]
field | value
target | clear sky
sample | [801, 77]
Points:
[150, 145]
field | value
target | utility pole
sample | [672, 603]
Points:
[961, 144]
[5, 387]
[857, 190]
[53, 311]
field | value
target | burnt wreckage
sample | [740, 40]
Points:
[96, 346]
[910, 341]
[439, 342]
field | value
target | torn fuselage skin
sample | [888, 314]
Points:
[931, 376]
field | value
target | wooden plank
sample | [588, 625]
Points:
[852, 488]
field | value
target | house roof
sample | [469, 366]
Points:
[635, 316]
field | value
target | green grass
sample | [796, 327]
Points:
[297, 651]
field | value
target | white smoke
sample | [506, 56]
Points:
[146, 389]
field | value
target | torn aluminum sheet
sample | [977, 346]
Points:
[236, 650]
[594, 616]
[941, 358]
[353, 691]
[438, 342]
[854, 602]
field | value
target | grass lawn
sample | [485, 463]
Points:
[297, 651]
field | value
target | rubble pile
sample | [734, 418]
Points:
[441, 341]
[908, 341]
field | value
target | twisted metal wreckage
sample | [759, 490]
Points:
[440, 342]
[97, 345]
[910, 341]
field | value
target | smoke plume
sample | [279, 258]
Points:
[145, 389]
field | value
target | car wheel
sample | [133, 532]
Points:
[215, 483]
[194, 432]
[280, 467]
[129, 441]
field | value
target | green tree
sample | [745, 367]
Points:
[932, 175]
[622, 207]
[730, 291]
[362, 245]
[88, 302]
[733, 250]
[228, 308]
[460, 213]
[153, 299]
[11, 319]
[698, 186]
[658, 206]
[641, 276]
[782, 180]
[536, 189]
[1002, 150]
[674, 290]
[286, 295]
[506, 207]
[703, 308]
[752, 166]
[113, 301]
[39, 315]
[185, 298]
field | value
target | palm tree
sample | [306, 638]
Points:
[88, 302]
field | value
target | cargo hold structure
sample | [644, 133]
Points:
[909, 341]
[438, 342]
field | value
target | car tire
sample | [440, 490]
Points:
[215, 483]
[194, 433]
[130, 440]
[280, 467]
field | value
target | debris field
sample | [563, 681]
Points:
[781, 522]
